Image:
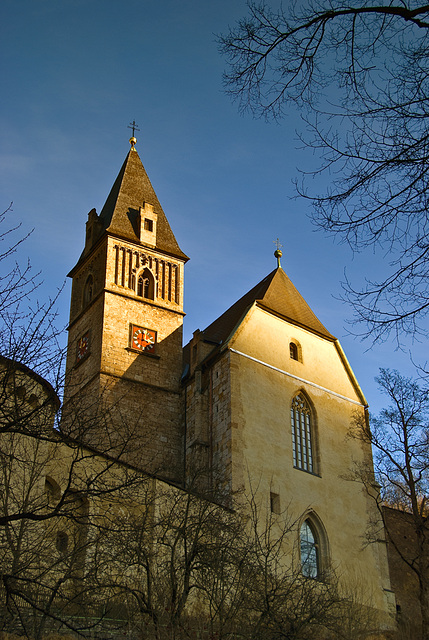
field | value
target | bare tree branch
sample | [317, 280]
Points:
[358, 71]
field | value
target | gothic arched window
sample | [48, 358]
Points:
[146, 285]
[310, 552]
[140, 286]
[88, 290]
[302, 437]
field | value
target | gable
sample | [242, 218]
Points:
[266, 338]
[277, 294]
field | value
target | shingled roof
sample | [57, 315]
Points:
[132, 188]
[277, 294]
[119, 216]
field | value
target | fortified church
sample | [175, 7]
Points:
[267, 416]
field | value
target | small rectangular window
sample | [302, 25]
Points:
[275, 502]
[148, 224]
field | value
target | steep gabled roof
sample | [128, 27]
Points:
[132, 188]
[277, 294]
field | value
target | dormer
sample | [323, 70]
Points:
[147, 224]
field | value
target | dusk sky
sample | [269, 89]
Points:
[76, 72]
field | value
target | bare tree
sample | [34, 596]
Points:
[54, 494]
[89, 542]
[157, 556]
[400, 440]
[282, 601]
[358, 71]
[29, 332]
[51, 484]
[187, 565]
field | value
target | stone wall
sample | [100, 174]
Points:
[401, 541]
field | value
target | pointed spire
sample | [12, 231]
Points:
[131, 190]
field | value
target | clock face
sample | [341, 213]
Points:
[82, 347]
[143, 339]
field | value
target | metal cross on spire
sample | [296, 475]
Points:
[135, 128]
[278, 252]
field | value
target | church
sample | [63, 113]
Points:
[235, 446]
[259, 402]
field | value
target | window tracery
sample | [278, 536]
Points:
[302, 437]
[163, 282]
[314, 547]
[146, 285]
[309, 547]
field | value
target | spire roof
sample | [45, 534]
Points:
[132, 188]
[277, 294]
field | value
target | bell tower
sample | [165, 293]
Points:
[124, 356]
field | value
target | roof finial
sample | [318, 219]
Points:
[278, 252]
[135, 128]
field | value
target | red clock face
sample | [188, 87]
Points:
[82, 347]
[143, 339]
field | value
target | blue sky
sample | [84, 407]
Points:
[76, 72]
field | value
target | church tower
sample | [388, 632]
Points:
[124, 353]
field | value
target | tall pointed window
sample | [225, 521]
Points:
[146, 285]
[309, 547]
[300, 415]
